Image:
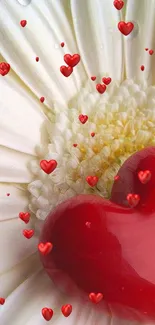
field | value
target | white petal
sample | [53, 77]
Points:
[48, 24]
[21, 118]
[14, 247]
[16, 201]
[10, 280]
[26, 302]
[14, 166]
[143, 15]
[98, 38]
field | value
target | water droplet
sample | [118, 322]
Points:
[24, 2]
[135, 31]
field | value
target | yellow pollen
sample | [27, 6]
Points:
[83, 150]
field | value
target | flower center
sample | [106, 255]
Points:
[120, 122]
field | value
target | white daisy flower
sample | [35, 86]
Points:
[87, 124]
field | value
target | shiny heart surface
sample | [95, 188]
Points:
[115, 255]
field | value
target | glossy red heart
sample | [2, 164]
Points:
[72, 60]
[83, 118]
[66, 71]
[92, 180]
[95, 297]
[48, 166]
[118, 4]
[125, 28]
[45, 248]
[47, 313]
[28, 233]
[24, 216]
[100, 88]
[66, 310]
[115, 255]
[107, 80]
[4, 68]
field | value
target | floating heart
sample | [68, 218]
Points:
[133, 199]
[23, 23]
[106, 81]
[45, 248]
[47, 313]
[118, 4]
[83, 118]
[92, 180]
[93, 78]
[48, 166]
[144, 176]
[101, 88]
[72, 60]
[2, 301]
[125, 28]
[66, 310]
[4, 68]
[25, 216]
[28, 233]
[95, 297]
[66, 71]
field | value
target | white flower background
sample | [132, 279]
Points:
[123, 119]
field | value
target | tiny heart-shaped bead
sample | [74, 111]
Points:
[95, 297]
[118, 4]
[48, 166]
[72, 60]
[24, 216]
[23, 23]
[144, 176]
[106, 81]
[4, 68]
[45, 248]
[93, 78]
[66, 71]
[101, 88]
[2, 301]
[133, 199]
[92, 180]
[28, 233]
[125, 28]
[47, 313]
[66, 310]
[83, 118]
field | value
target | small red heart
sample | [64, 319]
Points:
[88, 224]
[45, 248]
[62, 44]
[72, 60]
[118, 4]
[144, 176]
[92, 134]
[25, 216]
[47, 313]
[4, 68]
[83, 118]
[151, 52]
[133, 199]
[42, 99]
[23, 23]
[92, 180]
[48, 166]
[66, 310]
[101, 88]
[93, 78]
[2, 301]
[28, 233]
[106, 81]
[125, 28]
[116, 177]
[66, 71]
[95, 297]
